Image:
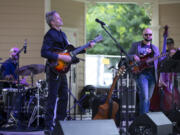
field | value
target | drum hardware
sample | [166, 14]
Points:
[8, 81]
[31, 70]
[36, 111]
[8, 94]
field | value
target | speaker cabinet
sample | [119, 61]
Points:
[86, 127]
[153, 123]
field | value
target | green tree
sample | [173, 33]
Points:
[126, 23]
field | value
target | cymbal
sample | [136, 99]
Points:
[7, 81]
[31, 69]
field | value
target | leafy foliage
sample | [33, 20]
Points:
[126, 23]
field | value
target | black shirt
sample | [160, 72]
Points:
[53, 40]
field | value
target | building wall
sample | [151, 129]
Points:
[20, 20]
[24, 19]
[169, 15]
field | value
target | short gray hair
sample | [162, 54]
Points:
[49, 17]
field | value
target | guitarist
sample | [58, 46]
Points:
[55, 39]
[146, 78]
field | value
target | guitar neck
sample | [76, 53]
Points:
[112, 88]
[79, 49]
[120, 71]
[155, 58]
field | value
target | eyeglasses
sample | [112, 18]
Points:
[147, 34]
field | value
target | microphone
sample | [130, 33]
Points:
[99, 21]
[25, 45]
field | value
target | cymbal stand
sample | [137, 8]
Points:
[35, 114]
[32, 79]
[18, 55]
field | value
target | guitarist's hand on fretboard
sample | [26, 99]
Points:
[92, 44]
[65, 58]
[172, 52]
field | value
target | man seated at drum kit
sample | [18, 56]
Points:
[10, 81]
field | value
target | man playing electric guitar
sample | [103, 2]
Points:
[146, 78]
[55, 39]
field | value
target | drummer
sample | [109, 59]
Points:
[8, 71]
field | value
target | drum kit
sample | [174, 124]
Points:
[33, 97]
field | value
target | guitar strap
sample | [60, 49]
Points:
[65, 42]
[152, 49]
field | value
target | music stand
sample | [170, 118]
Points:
[171, 65]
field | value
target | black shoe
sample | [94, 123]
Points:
[12, 119]
[47, 132]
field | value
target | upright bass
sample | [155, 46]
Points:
[155, 101]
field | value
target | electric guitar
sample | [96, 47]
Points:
[60, 66]
[144, 62]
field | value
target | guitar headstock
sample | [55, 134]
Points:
[98, 39]
[121, 71]
[165, 34]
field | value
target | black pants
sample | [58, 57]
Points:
[57, 87]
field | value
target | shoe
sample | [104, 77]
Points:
[12, 119]
[47, 132]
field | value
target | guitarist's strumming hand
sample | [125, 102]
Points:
[65, 58]
[136, 58]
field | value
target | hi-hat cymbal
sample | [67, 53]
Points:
[31, 69]
[7, 81]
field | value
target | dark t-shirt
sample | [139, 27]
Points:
[146, 50]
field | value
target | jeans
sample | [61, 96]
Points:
[145, 84]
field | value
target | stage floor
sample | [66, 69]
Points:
[21, 133]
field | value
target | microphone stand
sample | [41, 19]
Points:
[127, 61]
[118, 45]
[18, 55]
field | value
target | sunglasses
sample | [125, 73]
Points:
[147, 34]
